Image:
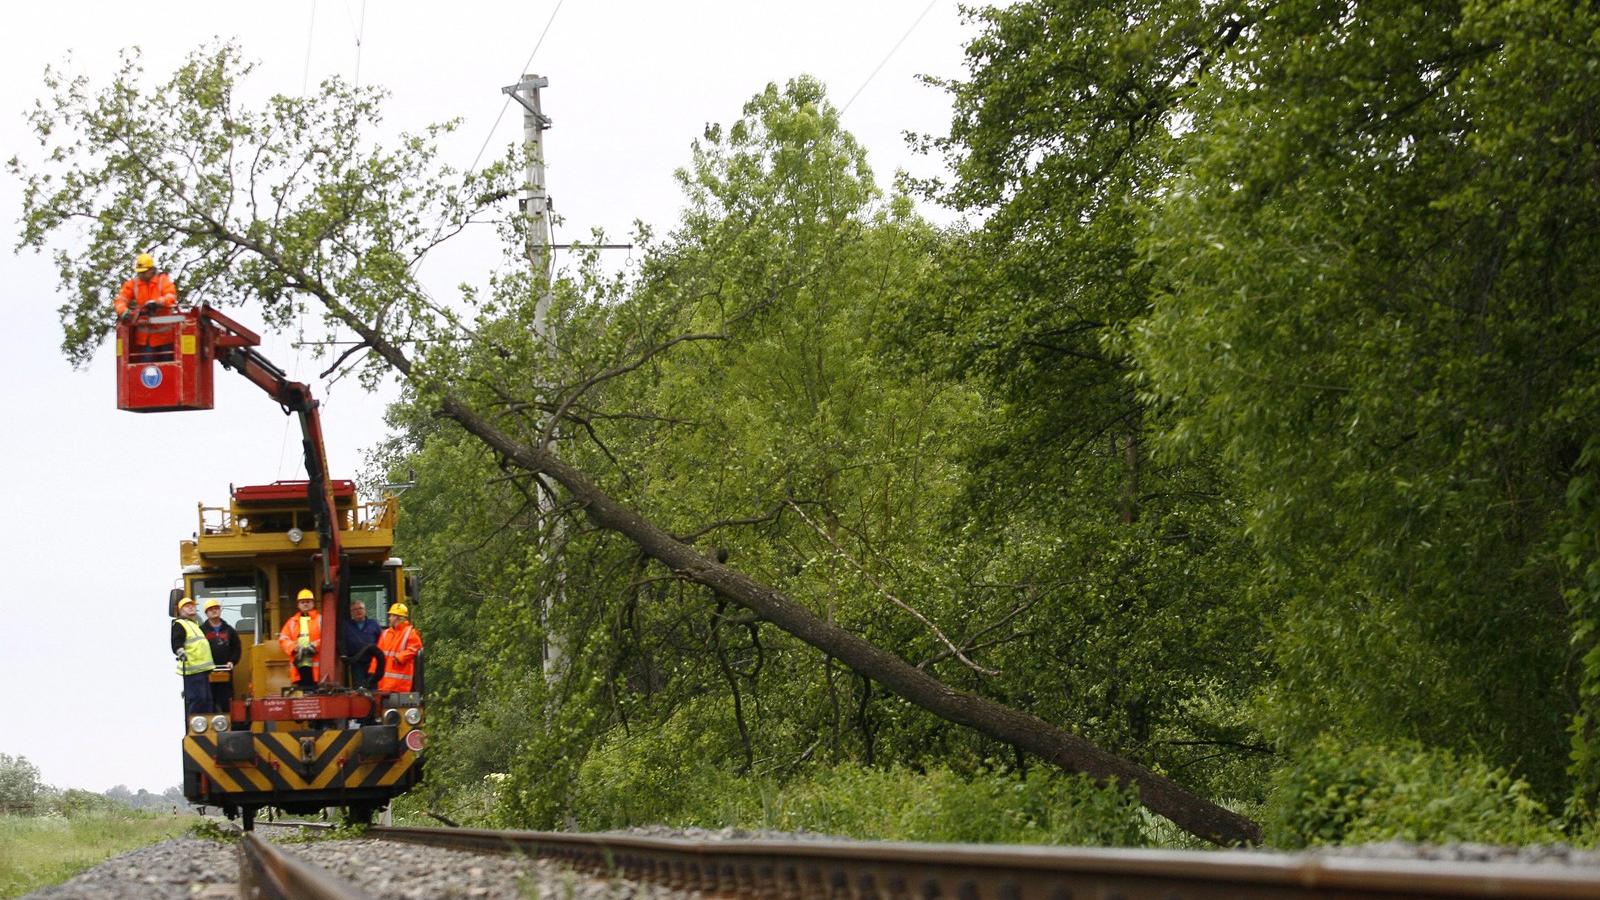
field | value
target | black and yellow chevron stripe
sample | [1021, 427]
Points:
[278, 767]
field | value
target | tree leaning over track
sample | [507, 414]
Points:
[289, 207]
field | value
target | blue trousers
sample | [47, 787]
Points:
[197, 694]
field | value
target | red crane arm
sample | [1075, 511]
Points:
[234, 346]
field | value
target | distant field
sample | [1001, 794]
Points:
[39, 851]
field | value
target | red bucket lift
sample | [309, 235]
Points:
[164, 362]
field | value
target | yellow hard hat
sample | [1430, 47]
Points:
[399, 609]
[305, 594]
[144, 262]
[212, 602]
[182, 601]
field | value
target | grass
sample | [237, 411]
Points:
[36, 851]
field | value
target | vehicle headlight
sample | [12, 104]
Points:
[413, 715]
[219, 723]
[197, 724]
[391, 717]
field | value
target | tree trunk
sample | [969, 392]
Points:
[1161, 795]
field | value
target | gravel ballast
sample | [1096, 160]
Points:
[388, 869]
[179, 868]
[188, 868]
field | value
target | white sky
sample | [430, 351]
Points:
[96, 500]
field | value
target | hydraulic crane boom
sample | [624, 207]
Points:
[183, 381]
[295, 397]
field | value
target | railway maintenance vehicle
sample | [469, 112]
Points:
[280, 745]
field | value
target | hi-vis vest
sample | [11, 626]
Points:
[304, 641]
[397, 675]
[196, 650]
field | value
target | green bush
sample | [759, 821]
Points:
[1336, 794]
[938, 805]
[651, 781]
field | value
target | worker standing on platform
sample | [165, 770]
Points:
[193, 652]
[400, 645]
[359, 642]
[153, 293]
[225, 652]
[301, 638]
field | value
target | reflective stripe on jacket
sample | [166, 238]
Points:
[400, 647]
[196, 650]
[291, 637]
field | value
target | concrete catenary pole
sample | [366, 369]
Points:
[536, 208]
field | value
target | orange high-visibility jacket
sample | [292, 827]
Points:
[136, 292]
[290, 635]
[400, 647]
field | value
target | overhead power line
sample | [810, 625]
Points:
[886, 56]
[520, 72]
[311, 29]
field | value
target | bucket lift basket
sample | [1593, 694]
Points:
[164, 362]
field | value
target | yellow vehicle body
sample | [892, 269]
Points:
[276, 745]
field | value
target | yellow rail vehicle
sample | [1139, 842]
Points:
[295, 747]
[279, 746]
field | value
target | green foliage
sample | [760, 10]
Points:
[1378, 283]
[1336, 793]
[340, 832]
[633, 782]
[767, 409]
[20, 787]
[898, 804]
[76, 802]
[264, 207]
[214, 830]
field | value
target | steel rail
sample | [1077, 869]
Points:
[803, 869]
[265, 871]
[290, 823]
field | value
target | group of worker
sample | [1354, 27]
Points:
[381, 659]
[363, 642]
[202, 650]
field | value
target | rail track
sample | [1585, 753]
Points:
[267, 872]
[816, 868]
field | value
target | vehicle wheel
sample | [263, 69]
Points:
[247, 818]
[359, 814]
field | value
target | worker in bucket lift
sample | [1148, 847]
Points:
[152, 293]
[300, 640]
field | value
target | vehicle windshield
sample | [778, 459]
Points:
[237, 596]
[372, 588]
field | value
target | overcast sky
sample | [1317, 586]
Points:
[96, 500]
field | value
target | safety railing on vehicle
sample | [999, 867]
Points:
[224, 521]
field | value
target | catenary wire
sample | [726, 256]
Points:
[305, 83]
[305, 79]
[520, 72]
[886, 56]
[416, 265]
[311, 29]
